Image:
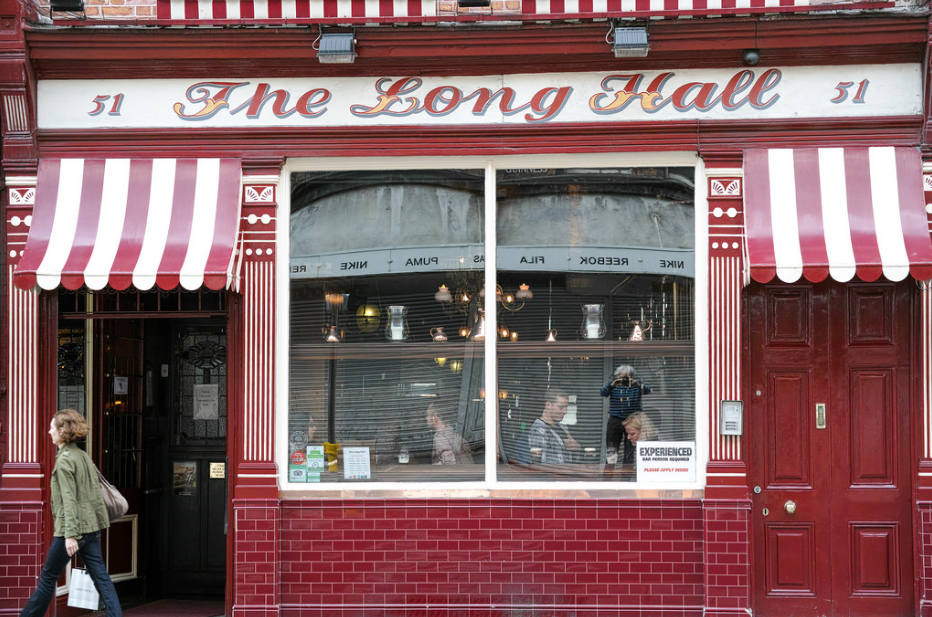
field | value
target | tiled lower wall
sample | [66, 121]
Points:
[21, 554]
[491, 557]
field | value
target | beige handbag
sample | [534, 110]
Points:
[115, 502]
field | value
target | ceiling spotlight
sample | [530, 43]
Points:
[751, 56]
[336, 48]
[630, 43]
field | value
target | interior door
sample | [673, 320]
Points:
[195, 522]
[830, 449]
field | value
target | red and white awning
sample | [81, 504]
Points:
[140, 222]
[428, 11]
[836, 212]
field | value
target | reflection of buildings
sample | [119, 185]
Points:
[532, 140]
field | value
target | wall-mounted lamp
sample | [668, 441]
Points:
[751, 56]
[473, 3]
[336, 47]
[67, 5]
[629, 42]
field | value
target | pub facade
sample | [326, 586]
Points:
[419, 307]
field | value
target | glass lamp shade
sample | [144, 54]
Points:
[551, 336]
[524, 293]
[332, 335]
[397, 328]
[443, 294]
[593, 325]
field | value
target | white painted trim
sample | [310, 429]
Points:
[488, 487]
[17, 181]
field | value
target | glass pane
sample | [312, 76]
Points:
[604, 260]
[386, 378]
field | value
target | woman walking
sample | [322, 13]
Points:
[79, 514]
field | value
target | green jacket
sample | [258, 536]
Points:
[77, 505]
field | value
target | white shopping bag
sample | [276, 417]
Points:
[83, 593]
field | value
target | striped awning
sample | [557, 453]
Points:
[435, 11]
[139, 222]
[836, 212]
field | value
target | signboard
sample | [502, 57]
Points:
[754, 93]
[666, 461]
[678, 262]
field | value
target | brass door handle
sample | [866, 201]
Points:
[790, 506]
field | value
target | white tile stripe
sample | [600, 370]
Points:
[21, 396]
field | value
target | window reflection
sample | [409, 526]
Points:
[595, 272]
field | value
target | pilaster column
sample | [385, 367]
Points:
[255, 555]
[21, 477]
[924, 491]
[726, 507]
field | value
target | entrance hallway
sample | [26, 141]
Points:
[176, 608]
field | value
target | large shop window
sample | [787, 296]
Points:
[593, 318]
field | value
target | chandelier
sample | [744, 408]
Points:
[466, 295]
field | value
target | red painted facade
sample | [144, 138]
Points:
[303, 555]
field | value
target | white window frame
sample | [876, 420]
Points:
[491, 486]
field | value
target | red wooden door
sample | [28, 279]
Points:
[830, 449]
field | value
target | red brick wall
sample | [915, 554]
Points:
[924, 565]
[491, 556]
[727, 557]
[21, 554]
[256, 560]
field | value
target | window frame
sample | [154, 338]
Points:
[491, 486]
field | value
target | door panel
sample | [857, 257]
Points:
[832, 522]
[790, 567]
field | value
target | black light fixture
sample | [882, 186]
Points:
[336, 47]
[66, 5]
[629, 42]
[751, 56]
[473, 3]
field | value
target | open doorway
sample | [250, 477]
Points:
[153, 385]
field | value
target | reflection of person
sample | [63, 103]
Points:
[547, 433]
[624, 392]
[79, 514]
[449, 447]
[638, 428]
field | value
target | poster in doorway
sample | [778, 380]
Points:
[184, 481]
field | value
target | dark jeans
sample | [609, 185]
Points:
[616, 437]
[55, 563]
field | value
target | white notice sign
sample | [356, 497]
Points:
[356, 463]
[206, 402]
[666, 461]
